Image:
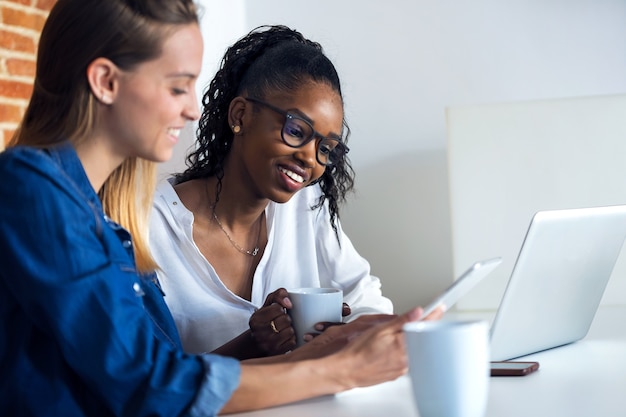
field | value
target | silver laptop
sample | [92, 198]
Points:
[558, 280]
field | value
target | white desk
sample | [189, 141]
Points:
[587, 378]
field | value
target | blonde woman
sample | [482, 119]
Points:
[84, 330]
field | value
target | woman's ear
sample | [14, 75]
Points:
[102, 78]
[237, 114]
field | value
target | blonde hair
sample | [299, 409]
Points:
[127, 199]
[62, 106]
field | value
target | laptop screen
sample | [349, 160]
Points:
[558, 279]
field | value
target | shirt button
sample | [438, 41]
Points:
[127, 244]
[138, 290]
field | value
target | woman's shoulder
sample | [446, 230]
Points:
[36, 187]
[164, 191]
[168, 207]
[57, 168]
[55, 163]
[188, 193]
[19, 157]
[29, 167]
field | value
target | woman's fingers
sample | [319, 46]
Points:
[436, 314]
[272, 330]
[345, 310]
[383, 348]
[280, 297]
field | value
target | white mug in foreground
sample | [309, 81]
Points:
[314, 305]
[449, 367]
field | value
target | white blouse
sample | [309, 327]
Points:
[302, 251]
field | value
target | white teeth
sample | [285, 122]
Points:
[173, 132]
[291, 175]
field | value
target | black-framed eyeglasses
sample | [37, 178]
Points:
[297, 132]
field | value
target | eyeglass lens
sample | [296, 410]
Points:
[297, 132]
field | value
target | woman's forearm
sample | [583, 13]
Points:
[268, 385]
[242, 347]
[375, 356]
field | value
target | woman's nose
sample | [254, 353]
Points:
[192, 110]
[307, 154]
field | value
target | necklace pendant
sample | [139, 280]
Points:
[232, 242]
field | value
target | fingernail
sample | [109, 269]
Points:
[287, 302]
[319, 327]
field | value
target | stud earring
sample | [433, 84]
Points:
[236, 129]
[105, 99]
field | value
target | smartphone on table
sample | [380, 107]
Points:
[513, 368]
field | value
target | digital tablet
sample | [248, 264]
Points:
[463, 284]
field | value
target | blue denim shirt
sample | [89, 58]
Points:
[81, 332]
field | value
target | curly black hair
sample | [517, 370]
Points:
[274, 58]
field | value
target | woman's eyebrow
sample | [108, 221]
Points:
[297, 112]
[182, 75]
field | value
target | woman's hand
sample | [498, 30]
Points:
[321, 326]
[335, 338]
[364, 322]
[436, 314]
[371, 351]
[379, 354]
[345, 310]
[271, 325]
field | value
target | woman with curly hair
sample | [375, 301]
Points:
[84, 330]
[257, 209]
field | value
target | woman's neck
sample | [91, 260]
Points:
[239, 203]
[235, 206]
[97, 160]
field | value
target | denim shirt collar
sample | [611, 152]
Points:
[65, 155]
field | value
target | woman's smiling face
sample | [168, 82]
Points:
[157, 98]
[275, 170]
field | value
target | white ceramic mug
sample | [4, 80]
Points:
[314, 305]
[449, 367]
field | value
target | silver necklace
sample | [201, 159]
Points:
[252, 252]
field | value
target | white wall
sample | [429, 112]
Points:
[402, 62]
[509, 160]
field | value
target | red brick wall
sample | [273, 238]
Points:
[21, 22]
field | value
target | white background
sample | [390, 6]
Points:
[402, 63]
[508, 161]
